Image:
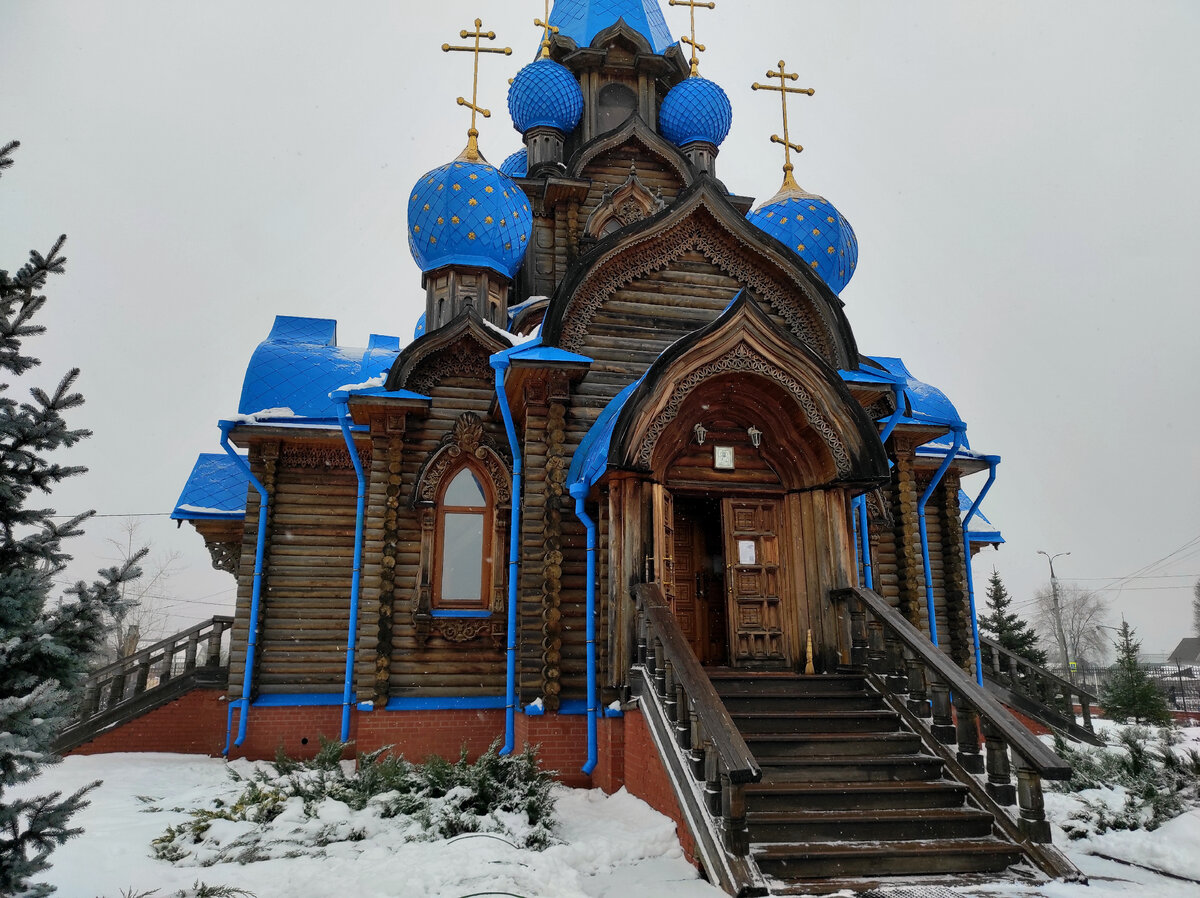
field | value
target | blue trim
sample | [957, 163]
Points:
[534, 710]
[579, 492]
[300, 700]
[445, 703]
[924, 500]
[461, 613]
[360, 514]
[256, 589]
[992, 462]
[499, 364]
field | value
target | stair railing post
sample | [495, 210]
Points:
[143, 677]
[683, 715]
[943, 717]
[918, 696]
[698, 749]
[1031, 802]
[712, 780]
[897, 674]
[212, 654]
[999, 770]
[733, 817]
[660, 668]
[668, 693]
[642, 651]
[168, 659]
[116, 689]
[876, 654]
[858, 632]
[91, 700]
[189, 655]
[967, 725]
[1085, 709]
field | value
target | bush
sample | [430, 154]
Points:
[318, 803]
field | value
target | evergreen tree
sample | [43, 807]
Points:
[44, 646]
[1006, 626]
[1129, 692]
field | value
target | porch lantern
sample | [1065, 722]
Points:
[755, 436]
[700, 433]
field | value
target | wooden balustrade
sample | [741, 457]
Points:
[710, 748]
[1035, 683]
[953, 707]
[195, 649]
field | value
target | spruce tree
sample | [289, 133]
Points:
[1130, 694]
[1006, 626]
[45, 645]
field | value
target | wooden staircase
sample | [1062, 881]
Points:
[849, 797]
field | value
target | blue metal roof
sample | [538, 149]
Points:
[545, 93]
[516, 165]
[468, 213]
[591, 458]
[696, 110]
[926, 405]
[215, 490]
[815, 230]
[300, 364]
[582, 20]
[981, 530]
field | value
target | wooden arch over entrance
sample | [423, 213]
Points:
[753, 449]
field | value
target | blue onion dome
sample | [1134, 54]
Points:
[516, 165]
[813, 228]
[695, 110]
[419, 330]
[468, 213]
[545, 93]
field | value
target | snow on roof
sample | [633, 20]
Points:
[981, 530]
[215, 490]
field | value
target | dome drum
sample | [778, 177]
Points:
[544, 150]
[451, 290]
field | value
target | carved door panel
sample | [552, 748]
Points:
[690, 607]
[664, 542]
[757, 636]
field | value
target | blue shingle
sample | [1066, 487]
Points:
[582, 20]
[215, 490]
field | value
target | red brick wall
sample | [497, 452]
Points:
[646, 778]
[193, 724]
[298, 731]
[419, 734]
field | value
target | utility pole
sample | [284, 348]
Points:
[1062, 636]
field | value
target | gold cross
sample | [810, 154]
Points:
[550, 29]
[472, 150]
[784, 77]
[697, 49]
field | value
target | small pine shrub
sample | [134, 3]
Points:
[435, 800]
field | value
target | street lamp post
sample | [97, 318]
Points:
[1062, 636]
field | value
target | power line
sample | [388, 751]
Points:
[150, 514]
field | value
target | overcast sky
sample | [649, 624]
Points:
[1021, 177]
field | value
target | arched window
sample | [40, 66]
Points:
[462, 569]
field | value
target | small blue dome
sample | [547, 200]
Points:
[814, 229]
[547, 94]
[468, 213]
[695, 110]
[516, 165]
[419, 330]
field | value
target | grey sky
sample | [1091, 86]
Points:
[1021, 177]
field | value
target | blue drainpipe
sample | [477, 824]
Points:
[937, 478]
[255, 594]
[356, 577]
[500, 365]
[992, 462]
[861, 502]
[579, 491]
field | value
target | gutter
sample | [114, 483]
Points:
[579, 491]
[500, 365]
[958, 432]
[255, 594]
[861, 502]
[992, 461]
[343, 401]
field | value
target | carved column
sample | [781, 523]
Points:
[387, 574]
[552, 556]
[910, 568]
[954, 574]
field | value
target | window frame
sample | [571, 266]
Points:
[487, 512]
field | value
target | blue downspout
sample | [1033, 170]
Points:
[500, 365]
[356, 577]
[255, 593]
[864, 535]
[937, 478]
[579, 491]
[992, 462]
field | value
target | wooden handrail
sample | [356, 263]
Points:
[171, 642]
[1035, 752]
[1066, 686]
[735, 756]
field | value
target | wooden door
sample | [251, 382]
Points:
[664, 542]
[757, 635]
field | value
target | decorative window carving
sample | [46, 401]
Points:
[623, 205]
[465, 523]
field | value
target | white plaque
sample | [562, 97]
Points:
[723, 458]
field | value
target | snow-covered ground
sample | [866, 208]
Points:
[610, 847]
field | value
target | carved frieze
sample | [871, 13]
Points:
[467, 438]
[466, 359]
[316, 456]
[226, 556]
[620, 206]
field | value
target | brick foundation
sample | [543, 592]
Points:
[193, 724]
[646, 778]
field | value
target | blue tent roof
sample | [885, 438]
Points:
[925, 404]
[300, 364]
[981, 530]
[215, 490]
[582, 20]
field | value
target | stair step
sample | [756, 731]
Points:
[830, 796]
[799, 861]
[848, 768]
[782, 700]
[810, 745]
[866, 721]
[869, 825]
[737, 683]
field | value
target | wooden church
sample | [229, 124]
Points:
[632, 493]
